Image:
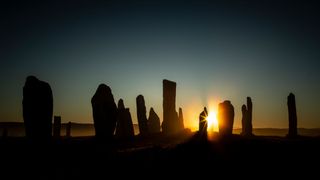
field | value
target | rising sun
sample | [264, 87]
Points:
[212, 121]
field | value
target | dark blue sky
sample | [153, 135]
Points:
[214, 50]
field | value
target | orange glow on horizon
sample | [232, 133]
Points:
[212, 121]
[193, 110]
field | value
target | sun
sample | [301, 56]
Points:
[212, 121]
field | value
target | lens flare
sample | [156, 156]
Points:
[212, 121]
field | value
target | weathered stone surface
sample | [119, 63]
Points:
[37, 109]
[124, 129]
[121, 104]
[170, 122]
[141, 114]
[293, 132]
[226, 118]
[104, 112]
[244, 118]
[181, 119]
[247, 118]
[153, 122]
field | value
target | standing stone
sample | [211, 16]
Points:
[249, 122]
[124, 128]
[181, 120]
[226, 118]
[292, 116]
[203, 124]
[68, 130]
[141, 114]
[153, 122]
[247, 118]
[244, 118]
[104, 112]
[170, 122]
[37, 109]
[56, 126]
[121, 104]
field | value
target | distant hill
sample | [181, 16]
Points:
[16, 129]
[281, 131]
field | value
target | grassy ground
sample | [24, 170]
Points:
[184, 155]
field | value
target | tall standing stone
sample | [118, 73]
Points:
[141, 114]
[104, 112]
[153, 122]
[170, 122]
[226, 118]
[249, 122]
[37, 109]
[244, 118]
[56, 126]
[292, 115]
[247, 118]
[124, 128]
[181, 119]
[203, 124]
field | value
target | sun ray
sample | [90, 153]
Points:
[212, 121]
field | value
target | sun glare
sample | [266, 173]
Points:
[212, 121]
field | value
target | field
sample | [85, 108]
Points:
[185, 155]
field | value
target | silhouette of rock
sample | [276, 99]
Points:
[292, 116]
[244, 118]
[153, 122]
[104, 112]
[180, 118]
[121, 104]
[124, 128]
[37, 109]
[247, 118]
[68, 130]
[170, 122]
[56, 126]
[141, 114]
[249, 122]
[226, 118]
[203, 125]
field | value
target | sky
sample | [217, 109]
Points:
[214, 50]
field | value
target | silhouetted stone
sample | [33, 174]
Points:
[249, 122]
[68, 130]
[244, 118]
[170, 122]
[153, 122]
[180, 118]
[121, 104]
[56, 126]
[104, 112]
[292, 116]
[37, 109]
[124, 129]
[203, 125]
[226, 118]
[247, 118]
[141, 114]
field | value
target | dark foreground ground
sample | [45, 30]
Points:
[184, 156]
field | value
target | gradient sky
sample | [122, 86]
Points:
[214, 50]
